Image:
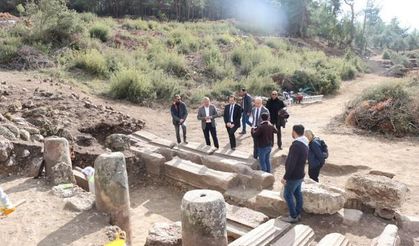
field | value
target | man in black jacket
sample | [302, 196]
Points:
[232, 115]
[263, 136]
[247, 108]
[274, 105]
[294, 174]
[179, 114]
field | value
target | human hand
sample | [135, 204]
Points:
[283, 181]
[181, 121]
[229, 124]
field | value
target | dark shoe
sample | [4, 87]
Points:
[242, 132]
[233, 149]
[280, 148]
[185, 142]
[289, 219]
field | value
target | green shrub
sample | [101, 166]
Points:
[164, 87]
[171, 63]
[8, 48]
[347, 71]
[135, 25]
[386, 55]
[88, 17]
[320, 81]
[93, 62]
[183, 40]
[222, 89]
[129, 84]
[276, 43]
[399, 59]
[100, 31]
[260, 86]
[54, 23]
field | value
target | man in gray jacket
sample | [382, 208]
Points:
[207, 114]
[257, 111]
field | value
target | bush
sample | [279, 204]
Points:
[8, 48]
[136, 25]
[216, 66]
[54, 23]
[100, 31]
[321, 81]
[170, 62]
[386, 55]
[164, 87]
[183, 40]
[129, 84]
[390, 108]
[347, 72]
[93, 62]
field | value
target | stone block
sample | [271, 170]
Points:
[278, 158]
[408, 223]
[165, 234]
[62, 173]
[389, 237]
[153, 139]
[81, 180]
[321, 199]
[376, 191]
[299, 235]
[381, 173]
[118, 142]
[83, 201]
[236, 155]
[270, 203]
[384, 213]
[334, 239]
[263, 234]
[199, 176]
[185, 154]
[241, 220]
[350, 216]
[154, 162]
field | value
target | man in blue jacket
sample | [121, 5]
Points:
[294, 174]
[179, 114]
[247, 109]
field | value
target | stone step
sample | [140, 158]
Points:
[299, 235]
[153, 139]
[154, 162]
[241, 220]
[199, 176]
[334, 239]
[263, 234]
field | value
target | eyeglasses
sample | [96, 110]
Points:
[274, 94]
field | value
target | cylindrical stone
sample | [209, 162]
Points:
[112, 190]
[56, 150]
[204, 219]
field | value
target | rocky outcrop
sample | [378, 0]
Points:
[321, 199]
[376, 191]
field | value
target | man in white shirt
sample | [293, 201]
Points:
[207, 114]
[257, 111]
[232, 116]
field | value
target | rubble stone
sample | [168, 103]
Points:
[25, 135]
[376, 191]
[321, 199]
[5, 149]
[165, 234]
[334, 239]
[118, 142]
[350, 216]
[408, 223]
[62, 173]
[270, 203]
[83, 201]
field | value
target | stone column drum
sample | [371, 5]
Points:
[204, 219]
[112, 190]
[56, 150]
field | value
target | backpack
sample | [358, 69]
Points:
[324, 149]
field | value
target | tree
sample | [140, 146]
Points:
[351, 4]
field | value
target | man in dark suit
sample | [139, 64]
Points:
[179, 114]
[257, 111]
[232, 115]
[275, 105]
[247, 109]
[207, 114]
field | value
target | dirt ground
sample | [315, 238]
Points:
[35, 224]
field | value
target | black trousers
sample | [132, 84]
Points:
[177, 126]
[279, 137]
[255, 148]
[314, 173]
[210, 129]
[231, 135]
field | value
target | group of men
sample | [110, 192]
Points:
[265, 121]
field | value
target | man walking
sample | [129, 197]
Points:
[275, 105]
[294, 174]
[207, 114]
[247, 109]
[179, 114]
[257, 111]
[264, 138]
[232, 115]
